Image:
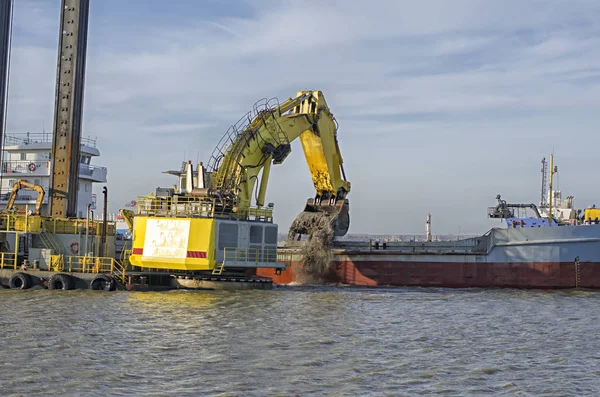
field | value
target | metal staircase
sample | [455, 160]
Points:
[118, 272]
[51, 243]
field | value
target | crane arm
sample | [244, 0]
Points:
[21, 184]
[266, 140]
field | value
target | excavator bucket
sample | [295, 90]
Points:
[326, 221]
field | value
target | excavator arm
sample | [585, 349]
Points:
[21, 184]
[128, 216]
[251, 147]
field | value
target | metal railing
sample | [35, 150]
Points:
[175, 207]
[194, 207]
[285, 258]
[8, 260]
[41, 167]
[87, 264]
[90, 170]
[245, 256]
[33, 167]
[12, 221]
[40, 137]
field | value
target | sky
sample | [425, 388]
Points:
[441, 105]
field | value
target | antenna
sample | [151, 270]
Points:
[198, 157]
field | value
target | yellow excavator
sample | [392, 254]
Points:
[267, 140]
[218, 216]
[21, 184]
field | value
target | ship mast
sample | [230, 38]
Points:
[428, 228]
[553, 170]
[544, 178]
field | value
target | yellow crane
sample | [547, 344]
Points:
[21, 184]
[220, 218]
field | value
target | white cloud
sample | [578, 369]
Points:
[441, 104]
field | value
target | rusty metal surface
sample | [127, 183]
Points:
[5, 30]
[70, 80]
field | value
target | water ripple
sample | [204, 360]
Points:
[313, 340]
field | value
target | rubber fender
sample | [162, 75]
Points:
[61, 281]
[20, 280]
[103, 282]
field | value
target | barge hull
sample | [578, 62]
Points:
[550, 257]
[453, 274]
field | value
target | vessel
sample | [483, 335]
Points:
[556, 247]
[27, 158]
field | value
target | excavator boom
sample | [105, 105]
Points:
[250, 147]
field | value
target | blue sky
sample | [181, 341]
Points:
[441, 105]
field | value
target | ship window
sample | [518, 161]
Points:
[256, 234]
[36, 181]
[23, 156]
[270, 235]
[228, 236]
[87, 187]
[12, 182]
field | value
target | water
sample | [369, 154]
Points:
[300, 341]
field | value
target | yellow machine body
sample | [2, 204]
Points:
[174, 243]
[591, 214]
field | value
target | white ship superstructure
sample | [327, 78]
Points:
[27, 157]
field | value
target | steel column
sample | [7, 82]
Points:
[5, 30]
[70, 79]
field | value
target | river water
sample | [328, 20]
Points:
[300, 341]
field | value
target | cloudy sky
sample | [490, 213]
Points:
[441, 104]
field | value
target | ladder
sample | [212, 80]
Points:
[119, 272]
[577, 273]
[218, 270]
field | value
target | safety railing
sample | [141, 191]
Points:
[8, 260]
[285, 258]
[87, 264]
[40, 137]
[197, 207]
[175, 207]
[94, 171]
[34, 167]
[261, 214]
[247, 256]
[14, 221]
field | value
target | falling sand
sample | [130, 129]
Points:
[316, 253]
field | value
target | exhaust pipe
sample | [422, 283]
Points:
[198, 191]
